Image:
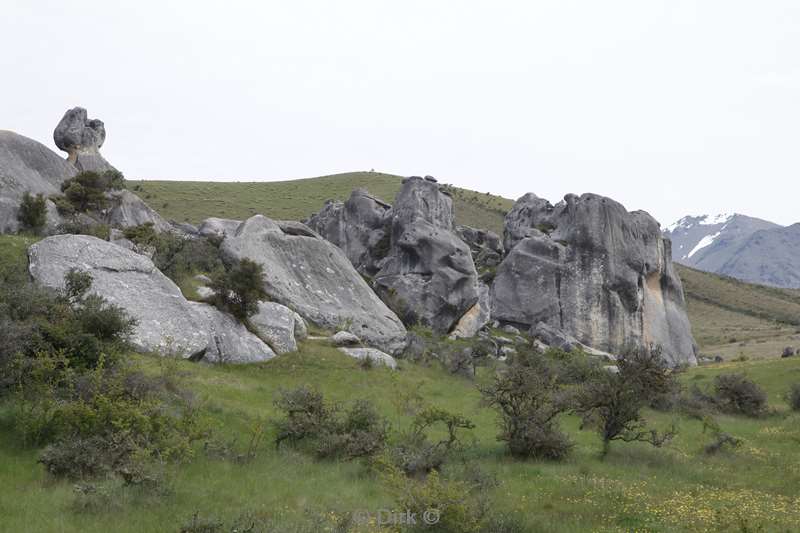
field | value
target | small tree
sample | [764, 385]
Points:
[240, 289]
[77, 283]
[527, 397]
[32, 214]
[87, 190]
[613, 402]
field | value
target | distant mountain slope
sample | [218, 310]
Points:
[702, 241]
[736, 245]
[733, 318]
[193, 201]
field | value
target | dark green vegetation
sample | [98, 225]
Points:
[239, 288]
[193, 201]
[87, 191]
[233, 475]
[32, 213]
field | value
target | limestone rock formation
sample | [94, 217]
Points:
[486, 246]
[314, 277]
[166, 321]
[592, 269]
[218, 227]
[127, 209]
[428, 276]
[360, 226]
[27, 166]
[275, 323]
[376, 356]
[82, 139]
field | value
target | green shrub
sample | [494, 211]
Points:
[416, 454]
[737, 394]
[527, 397]
[180, 258]
[87, 191]
[793, 397]
[32, 214]
[239, 289]
[359, 432]
[437, 503]
[143, 234]
[77, 284]
[612, 402]
[77, 226]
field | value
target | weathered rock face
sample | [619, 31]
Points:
[428, 276]
[82, 138]
[218, 227]
[27, 166]
[592, 269]
[166, 320]
[275, 323]
[376, 356]
[127, 210]
[486, 246]
[360, 226]
[314, 277]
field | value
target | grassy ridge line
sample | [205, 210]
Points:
[779, 305]
[193, 201]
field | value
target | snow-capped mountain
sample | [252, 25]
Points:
[695, 239]
[747, 248]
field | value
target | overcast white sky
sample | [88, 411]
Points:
[670, 106]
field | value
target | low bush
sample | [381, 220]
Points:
[527, 397]
[32, 214]
[436, 502]
[78, 226]
[793, 397]
[326, 430]
[416, 454]
[737, 394]
[87, 191]
[239, 289]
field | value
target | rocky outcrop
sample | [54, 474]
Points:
[218, 227]
[275, 323]
[595, 271]
[82, 139]
[27, 166]
[360, 226]
[377, 357]
[428, 276]
[127, 210]
[314, 277]
[166, 321]
[486, 246]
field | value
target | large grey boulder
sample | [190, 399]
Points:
[314, 277]
[275, 323]
[228, 341]
[127, 210]
[376, 356]
[428, 276]
[82, 139]
[595, 271]
[218, 227]
[166, 321]
[360, 226]
[27, 166]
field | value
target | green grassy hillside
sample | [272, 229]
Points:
[636, 488]
[193, 201]
[737, 319]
